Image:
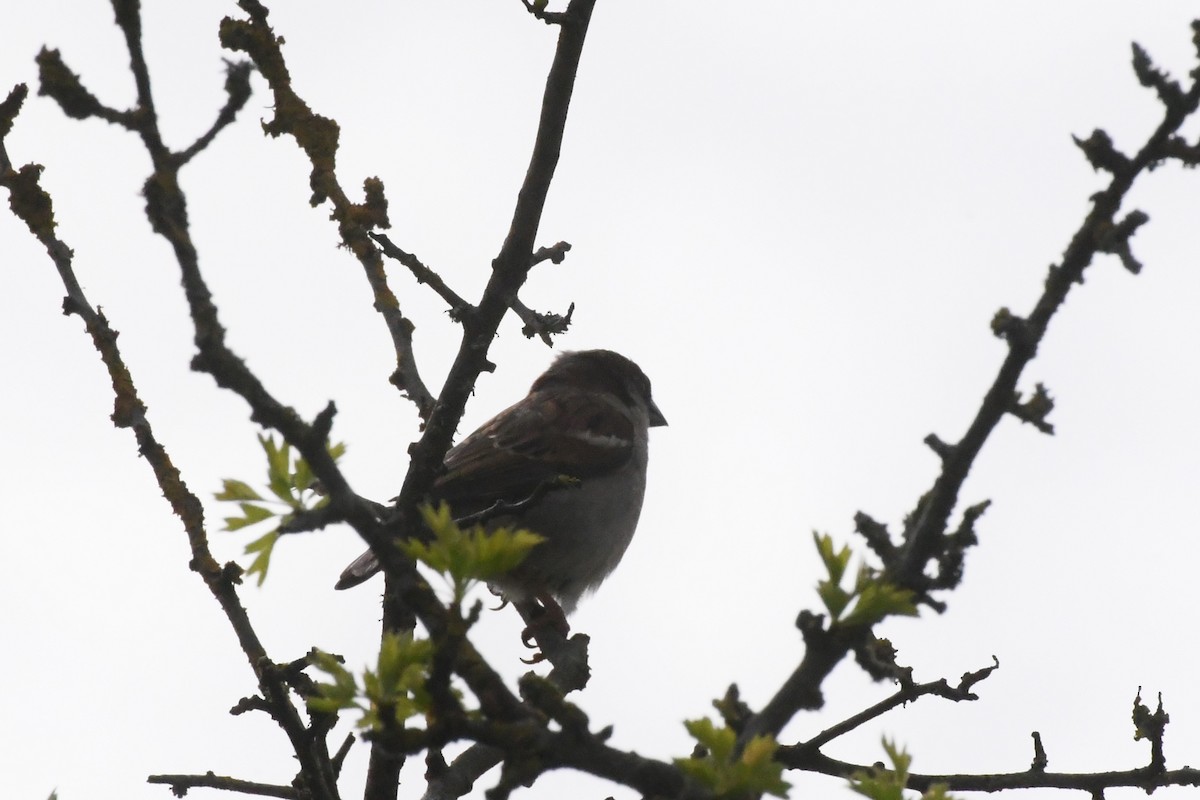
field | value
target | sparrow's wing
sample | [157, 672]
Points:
[543, 436]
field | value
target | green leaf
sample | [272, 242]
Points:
[873, 598]
[755, 771]
[236, 490]
[880, 599]
[468, 556]
[263, 546]
[719, 742]
[254, 513]
[281, 487]
[279, 457]
[835, 562]
[390, 694]
[251, 515]
[277, 454]
[338, 694]
[302, 478]
[888, 784]
[834, 597]
[289, 481]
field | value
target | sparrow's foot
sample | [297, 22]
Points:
[544, 615]
[500, 594]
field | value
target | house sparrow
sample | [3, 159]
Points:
[587, 417]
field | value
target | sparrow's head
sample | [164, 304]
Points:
[602, 371]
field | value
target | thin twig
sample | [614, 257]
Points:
[237, 92]
[1142, 778]
[458, 306]
[906, 694]
[181, 783]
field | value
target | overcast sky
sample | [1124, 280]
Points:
[799, 219]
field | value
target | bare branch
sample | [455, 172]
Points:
[458, 306]
[180, 784]
[907, 694]
[130, 412]
[237, 91]
[925, 538]
[1093, 782]
[318, 137]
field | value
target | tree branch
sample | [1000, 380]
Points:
[181, 783]
[908, 693]
[925, 538]
[1144, 778]
[318, 137]
[36, 209]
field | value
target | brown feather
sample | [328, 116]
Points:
[506, 459]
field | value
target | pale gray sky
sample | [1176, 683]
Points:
[798, 218]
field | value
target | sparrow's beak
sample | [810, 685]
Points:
[656, 417]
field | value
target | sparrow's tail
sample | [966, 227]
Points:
[360, 569]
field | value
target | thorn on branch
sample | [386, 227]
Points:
[1102, 154]
[1035, 409]
[1115, 239]
[1169, 91]
[555, 254]
[944, 451]
[1040, 762]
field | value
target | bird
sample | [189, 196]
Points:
[586, 418]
